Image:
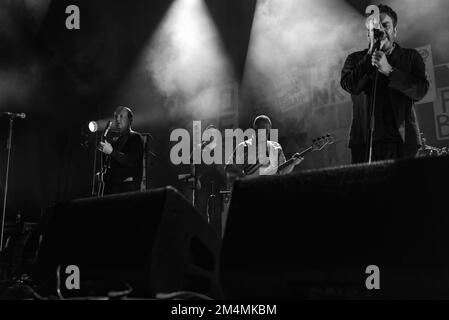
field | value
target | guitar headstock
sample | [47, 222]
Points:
[319, 143]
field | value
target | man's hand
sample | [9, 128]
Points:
[379, 60]
[297, 161]
[105, 147]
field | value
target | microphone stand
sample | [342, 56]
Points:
[194, 172]
[9, 147]
[194, 186]
[372, 119]
[212, 197]
[193, 176]
[94, 173]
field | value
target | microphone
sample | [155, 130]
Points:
[206, 143]
[373, 24]
[106, 131]
[15, 115]
[379, 34]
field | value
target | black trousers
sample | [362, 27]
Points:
[384, 151]
[114, 188]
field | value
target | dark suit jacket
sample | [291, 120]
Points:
[126, 159]
[407, 84]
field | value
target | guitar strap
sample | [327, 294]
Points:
[247, 168]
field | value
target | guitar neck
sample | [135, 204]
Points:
[318, 144]
[257, 166]
[290, 161]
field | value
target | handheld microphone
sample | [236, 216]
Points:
[379, 34]
[15, 115]
[374, 26]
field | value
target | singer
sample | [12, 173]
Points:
[401, 82]
[126, 155]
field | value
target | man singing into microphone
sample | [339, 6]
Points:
[401, 82]
[126, 155]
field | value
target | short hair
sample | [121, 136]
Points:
[389, 12]
[260, 120]
[128, 110]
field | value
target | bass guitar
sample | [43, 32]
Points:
[317, 145]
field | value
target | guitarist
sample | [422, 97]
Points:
[274, 154]
[124, 155]
[234, 171]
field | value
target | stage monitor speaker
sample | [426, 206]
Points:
[153, 242]
[377, 231]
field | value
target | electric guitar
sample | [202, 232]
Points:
[317, 145]
[104, 163]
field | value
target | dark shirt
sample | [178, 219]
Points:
[126, 160]
[396, 96]
[385, 128]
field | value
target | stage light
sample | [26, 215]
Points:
[93, 126]
[293, 66]
[187, 62]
